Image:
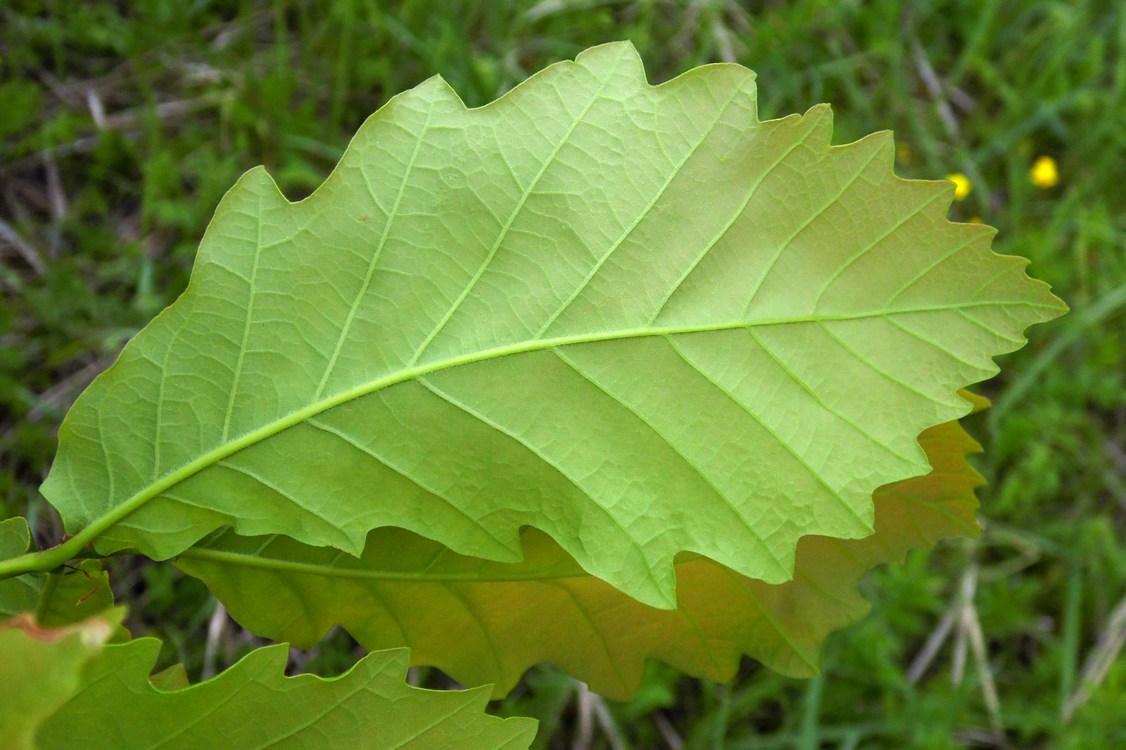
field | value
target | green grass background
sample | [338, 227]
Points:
[122, 124]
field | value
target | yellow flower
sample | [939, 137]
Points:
[1044, 173]
[962, 185]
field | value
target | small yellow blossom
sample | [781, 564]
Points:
[962, 185]
[1044, 173]
[976, 220]
[903, 152]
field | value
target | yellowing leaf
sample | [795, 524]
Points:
[488, 622]
[634, 318]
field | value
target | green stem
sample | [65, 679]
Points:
[45, 597]
[45, 560]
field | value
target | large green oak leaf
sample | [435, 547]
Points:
[485, 622]
[634, 318]
[64, 688]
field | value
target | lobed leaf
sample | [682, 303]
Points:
[64, 688]
[634, 318]
[487, 622]
[254, 705]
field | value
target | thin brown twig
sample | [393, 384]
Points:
[985, 672]
[97, 109]
[937, 92]
[966, 594]
[665, 728]
[1115, 475]
[933, 644]
[215, 629]
[961, 618]
[127, 123]
[61, 394]
[606, 722]
[934, 88]
[584, 725]
[11, 237]
[57, 201]
[1102, 656]
[725, 40]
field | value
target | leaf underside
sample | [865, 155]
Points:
[254, 705]
[634, 318]
[60, 684]
[483, 622]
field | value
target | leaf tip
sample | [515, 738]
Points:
[819, 120]
[257, 180]
[435, 88]
[17, 530]
[617, 51]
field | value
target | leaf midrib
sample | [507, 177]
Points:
[327, 570]
[230, 447]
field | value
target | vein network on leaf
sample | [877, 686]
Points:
[634, 318]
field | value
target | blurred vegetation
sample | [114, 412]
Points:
[123, 123]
